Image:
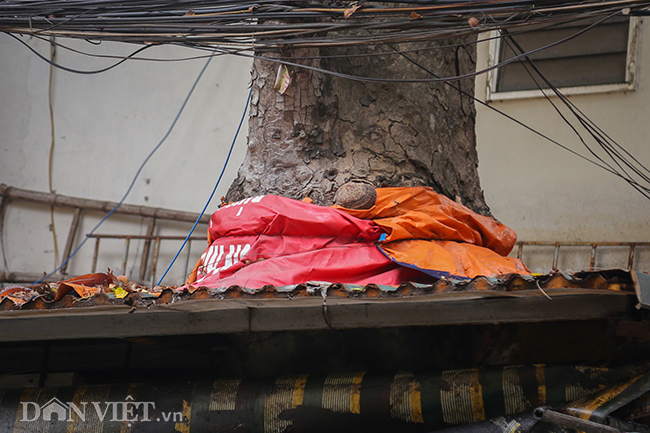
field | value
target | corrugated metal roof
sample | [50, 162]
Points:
[45, 297]
[316, 305]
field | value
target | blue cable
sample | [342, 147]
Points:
[241, 121]
[128, 191]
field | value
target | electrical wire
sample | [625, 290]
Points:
[137, 174]
[281, 24]
[232, 145]
[229, 52]
[77, 71]
[113, 56]
[608, 145]
[513, 119]
[234, 51]
[436, 79]
[242, 119]
[360, 78]
[448, 80]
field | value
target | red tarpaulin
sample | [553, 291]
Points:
[271, 240]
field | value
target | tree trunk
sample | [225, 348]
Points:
[327, 130]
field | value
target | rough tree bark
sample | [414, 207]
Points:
[326, 130]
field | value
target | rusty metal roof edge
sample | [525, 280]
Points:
[483, 300]
[480, 287]
[214, 303]
[306, 313]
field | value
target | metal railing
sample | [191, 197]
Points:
[156, 252]
[81, 206]
[594, 246]
[153, 242]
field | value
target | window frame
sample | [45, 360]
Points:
[630, 83]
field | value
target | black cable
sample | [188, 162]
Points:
[599, 135]
[583, 121]
[507, 38]
[112, 56]
[509, 117]
[135, 177]
[348, 76]
[140, 21]
[591, 128]
[439, 47]
[447, 80]
[426, 80]
[76, 71]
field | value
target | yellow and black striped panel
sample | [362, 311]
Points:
[462, 400]
[271, 405]
[598, 406]
[288, 393]
[576, 391]
[405, 398]
[341, 392]
[513, 393]
[224, 392]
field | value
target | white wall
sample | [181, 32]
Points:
[105, 126]
[546, 194]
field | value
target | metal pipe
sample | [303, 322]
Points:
[187, 259]
[349, 401]
[126, 255]
[572, 422]
[581, 244]
[166, 238]
[103, 206]
[93, 268]
[156, 252]
[71, 235]
[592, 260]
[630, 259]
[145, 250]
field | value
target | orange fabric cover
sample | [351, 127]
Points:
[429, 231]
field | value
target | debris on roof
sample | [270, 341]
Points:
[108, 289]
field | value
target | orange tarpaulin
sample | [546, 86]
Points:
[411, 234]
[429, 231]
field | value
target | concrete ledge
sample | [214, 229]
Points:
[251, 315]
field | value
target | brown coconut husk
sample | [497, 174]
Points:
[356, 194]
